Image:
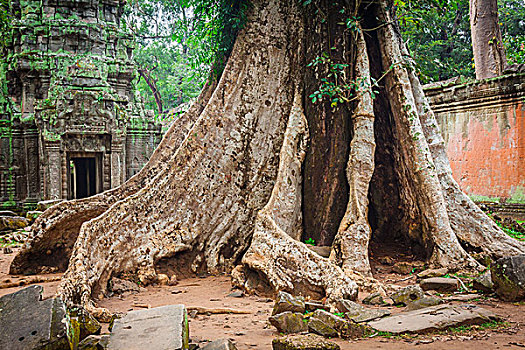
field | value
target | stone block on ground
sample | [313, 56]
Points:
[508, 276]
[313, 305]
[374, 299]
[483, 283]
[160, 328]
[367, 315]
[440, 284]
[303, 342]
[82, 324]
[287, 302]
[349, 307]
[358, 313]
[462, 297]
[28, 322]
[432, 273]
[289, 322]
[433, 318]
[329, 325]
[12, 222]
[221, 344]
[94, 342]
[424, 302]
[407, 295]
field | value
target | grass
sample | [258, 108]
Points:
[514, 234]
[459, 330]
[493, 325]
[7, 243]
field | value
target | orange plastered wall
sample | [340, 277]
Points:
[486, 148]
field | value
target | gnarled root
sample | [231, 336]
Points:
[55, 232]
[275, 260]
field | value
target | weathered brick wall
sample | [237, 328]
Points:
[483, 124]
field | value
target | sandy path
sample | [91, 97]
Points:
[252, 331]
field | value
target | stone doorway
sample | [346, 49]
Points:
[84, 174]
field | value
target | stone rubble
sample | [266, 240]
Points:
[407, 295]
[433, 318]
[440, 284]
[508, 276]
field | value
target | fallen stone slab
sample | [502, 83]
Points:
[329, 325]
[28, 322]
[367, 315]
[94, 342]
[462, 297]
[289, 322]
[303, 342]
[359, 313]
[160, 328]
[424, 302]
[432, 273]
[313, 305]
[287, 302]
[374, 299]
[407, 295]
[433, 318]
[349, 307]
[12, 222]
[483, 283]
[508, 276]
[221, 344]
[440, 284]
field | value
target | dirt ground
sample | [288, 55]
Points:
[252, 331]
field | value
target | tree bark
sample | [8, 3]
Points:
[230, 196]
[487, 45]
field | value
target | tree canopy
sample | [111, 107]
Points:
[178, 41]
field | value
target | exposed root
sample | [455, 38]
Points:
[55, 232]
[283, 262]
[206, 197]
[350, 247]
[470, 224]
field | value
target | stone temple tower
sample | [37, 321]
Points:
[71, 123]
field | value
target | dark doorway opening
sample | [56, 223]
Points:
[84, 177]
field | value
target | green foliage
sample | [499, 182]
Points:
[511, 16]
[310, 241]
[179, 41]
[437, 33]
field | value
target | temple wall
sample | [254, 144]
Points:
[483, 124]
[67, 98]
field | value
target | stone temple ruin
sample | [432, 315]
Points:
[71, 124]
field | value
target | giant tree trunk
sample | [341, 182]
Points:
[487, 45]
[232, 195]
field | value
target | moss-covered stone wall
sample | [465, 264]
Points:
[67, 92]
